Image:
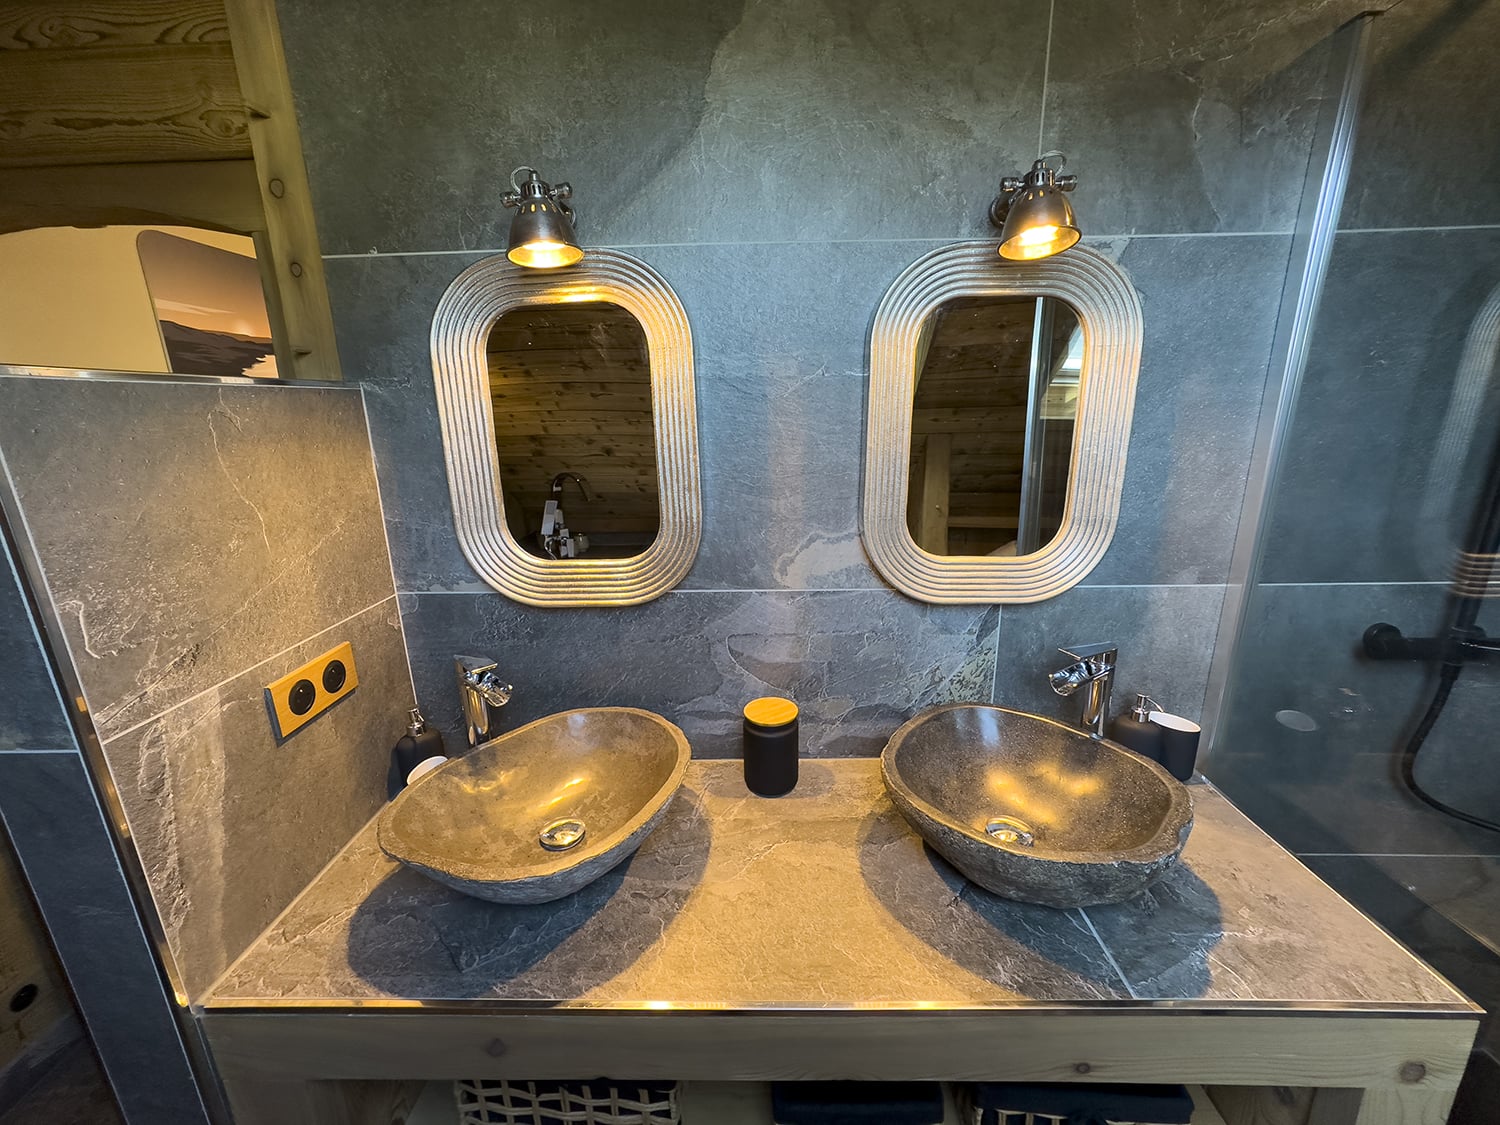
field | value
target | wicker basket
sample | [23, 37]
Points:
[498, 1102]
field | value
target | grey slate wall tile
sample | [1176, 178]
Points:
[382, 310]
[31, 711]
[1429, 66]
[60, 834]
[1361, 495]
[1165, 636]
[677, 122]
[858, 662]
[231, 825]
[189, 530]
[1210, 307]
[1187, 117]
[198, 541]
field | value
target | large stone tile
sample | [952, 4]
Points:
[382, 309]
[229, 824]
[31, 710]
[60, 834]
[1431, 93]
[859, 663]
[1210, 307]
[1165, 635]
[187, 530]
[1245, 918]
[1188, 117]
[1365, 492]
[781, 335]
[731, 120]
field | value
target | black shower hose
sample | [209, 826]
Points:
[1448, 678]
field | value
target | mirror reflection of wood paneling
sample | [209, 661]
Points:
[992, 425]
[570, 385]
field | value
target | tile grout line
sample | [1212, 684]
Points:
[246, 671]
[1397, 855]
[975, 237]
[857, 589]
[385, 533]
[1108, 956]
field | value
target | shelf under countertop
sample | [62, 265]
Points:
[825, 899]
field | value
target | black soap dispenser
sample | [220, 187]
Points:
[1136, 731]
[419, 743]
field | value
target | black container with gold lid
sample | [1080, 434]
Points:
[770, 746]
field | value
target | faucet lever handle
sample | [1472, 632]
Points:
[1090, 652]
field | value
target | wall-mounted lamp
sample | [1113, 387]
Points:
[541, 233]
[1034, 215]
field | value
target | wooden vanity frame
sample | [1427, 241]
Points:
[1263, 1064]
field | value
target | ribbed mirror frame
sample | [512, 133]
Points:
[460, 329]
[1110, 314]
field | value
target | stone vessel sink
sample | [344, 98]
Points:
[1035, 810]
[542, 811]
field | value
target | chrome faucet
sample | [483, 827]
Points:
[481, 691]
[1094, 667]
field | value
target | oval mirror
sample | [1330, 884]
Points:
[569, 429]
[999, 414]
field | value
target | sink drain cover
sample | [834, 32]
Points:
[561, 835]
[1010, 830]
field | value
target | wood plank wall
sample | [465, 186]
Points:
[571, 389]
[165, 112]
[107, 83]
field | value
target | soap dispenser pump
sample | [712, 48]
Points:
[418, 745]
[1135, 730]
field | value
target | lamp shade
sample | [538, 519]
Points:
[541, 235]
[1040, 223]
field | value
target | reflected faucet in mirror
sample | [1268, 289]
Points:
[482, 692]
[557, 540]
[1093, 667]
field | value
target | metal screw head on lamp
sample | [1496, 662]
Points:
[541, 233]
[1034, 214]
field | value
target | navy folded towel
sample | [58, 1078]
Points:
[856, 1103]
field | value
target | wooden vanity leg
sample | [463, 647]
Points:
[260, 1099]
[1424, 1106]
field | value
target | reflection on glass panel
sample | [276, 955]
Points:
[992, 425]
[574, 436]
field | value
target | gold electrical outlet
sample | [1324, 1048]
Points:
[300, 697]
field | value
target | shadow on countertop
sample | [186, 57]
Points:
[1039, 951]
[414, 938]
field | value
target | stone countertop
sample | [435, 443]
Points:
[825, 899]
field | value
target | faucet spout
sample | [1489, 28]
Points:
[1093, 667]
[482, 692]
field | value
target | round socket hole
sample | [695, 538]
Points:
[300, 698]
[334, 676]
[23, 998]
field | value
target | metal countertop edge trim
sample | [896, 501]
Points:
[1426, 1010]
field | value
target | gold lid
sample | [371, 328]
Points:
[770, 711]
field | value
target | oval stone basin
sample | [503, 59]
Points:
[1035, 810]
[541, 811]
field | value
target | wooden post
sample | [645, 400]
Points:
[291, 236]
